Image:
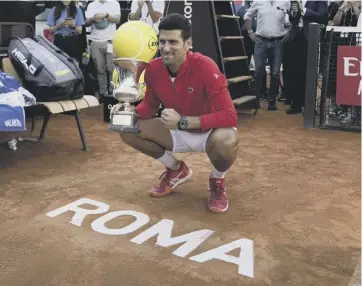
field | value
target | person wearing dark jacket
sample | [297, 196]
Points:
[296, 59]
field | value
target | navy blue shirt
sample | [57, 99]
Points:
[241, 13]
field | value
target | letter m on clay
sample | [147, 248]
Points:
[163, 231]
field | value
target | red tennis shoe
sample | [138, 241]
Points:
[170, 179]
[218, 201]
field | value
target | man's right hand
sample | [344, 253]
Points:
[63, 24]
[116, 107]
[120, 106]
[345, 6]
[140, 3]
[295, 7]
[252, 37]
[99, 17]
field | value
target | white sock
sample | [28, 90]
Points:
[217, 175]
[169, 161]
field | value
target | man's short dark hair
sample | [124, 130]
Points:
[175, 21]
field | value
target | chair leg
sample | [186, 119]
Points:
[81, 132]
[32, 124]
[43, 128]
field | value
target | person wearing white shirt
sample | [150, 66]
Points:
[102, 16]
[148, 11]
[269, 37]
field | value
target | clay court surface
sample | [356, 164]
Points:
[294, 193]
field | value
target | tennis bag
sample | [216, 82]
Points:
[45, 70]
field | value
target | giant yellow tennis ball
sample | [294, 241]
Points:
[135, 40]
[141, 82]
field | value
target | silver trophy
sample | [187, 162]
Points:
[127, 91]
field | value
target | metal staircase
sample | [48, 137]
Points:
[233, 59]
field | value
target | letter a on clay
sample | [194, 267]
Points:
[245, 261]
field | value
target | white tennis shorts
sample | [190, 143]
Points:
[184, 141]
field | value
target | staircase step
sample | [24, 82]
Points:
[229, 59]
[227, 16]
[244, 99]
[231, 38]
[239, 79]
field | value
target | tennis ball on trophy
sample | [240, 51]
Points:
[141, 82]
[135, 40]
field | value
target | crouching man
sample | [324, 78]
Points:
[199, 115]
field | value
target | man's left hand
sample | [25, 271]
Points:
[170, 118]
[356, 4]
[297, 6]
[70, 23]
[99, 17]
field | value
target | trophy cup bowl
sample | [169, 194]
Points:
[126, 91]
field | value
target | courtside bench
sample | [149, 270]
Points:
[47, 109]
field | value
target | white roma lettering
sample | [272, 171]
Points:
[80, 213]
[99, 224]
[163, 230]
[245, 261]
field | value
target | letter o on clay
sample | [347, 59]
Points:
[99, 224]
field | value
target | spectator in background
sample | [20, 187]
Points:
[345, 13]
[311, 11]
[148, 11]
[291, 58]
[248, 43]
[103, 16]
[65, 21]
[269, 39]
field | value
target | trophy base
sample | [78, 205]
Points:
[124, 129]
[124, 121]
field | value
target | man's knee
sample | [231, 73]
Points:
[275, 75]
[259, 71]
[223, 140]
[99, 65]
[128, 138]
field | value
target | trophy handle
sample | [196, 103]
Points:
[126, 106]
[141, 67]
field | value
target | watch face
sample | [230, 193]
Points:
[183, 123]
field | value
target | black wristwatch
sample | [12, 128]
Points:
[106, 16]
[183, 123]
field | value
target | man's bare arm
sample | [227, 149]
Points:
[193, 122]
[155, 15]
[136, 15]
